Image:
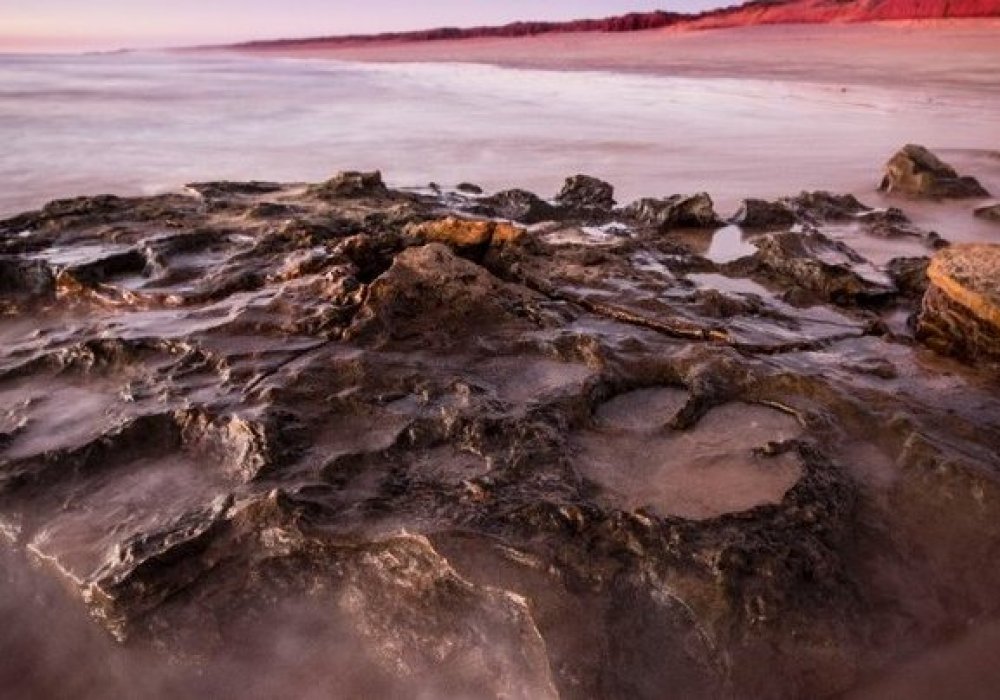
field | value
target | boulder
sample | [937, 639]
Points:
[761, 214]
[991, 213]
[917, 172]
[469, 188]
[464, 233]
[582, 192]
[960, 315]
[351, 184]
[678, 211]
[434, 298]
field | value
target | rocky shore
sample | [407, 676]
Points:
[473, 444]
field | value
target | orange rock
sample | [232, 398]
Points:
[465, 233]
[960, 314]
[970, 276]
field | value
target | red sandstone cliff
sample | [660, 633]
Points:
[832, 11]
[751, 13]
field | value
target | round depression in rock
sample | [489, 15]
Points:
[704, 472]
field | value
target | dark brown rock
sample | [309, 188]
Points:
[518, 205]
[584, 193]
[678, 211]
[351, 184]
[429, 287]
[25, 278]
[761, 214]
[909, 275]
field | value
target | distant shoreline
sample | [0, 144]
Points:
[747, 14]
[926, 54]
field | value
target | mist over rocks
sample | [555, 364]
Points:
[454, 444]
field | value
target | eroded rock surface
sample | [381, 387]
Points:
[961, 310]
[340, 438]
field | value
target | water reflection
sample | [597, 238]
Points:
[728, 244]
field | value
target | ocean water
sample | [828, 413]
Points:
[147, 123]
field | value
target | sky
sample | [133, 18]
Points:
[27, 25]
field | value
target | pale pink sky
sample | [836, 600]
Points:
[103, 24]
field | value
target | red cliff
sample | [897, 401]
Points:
[751, 13]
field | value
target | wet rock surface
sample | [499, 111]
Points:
[343, 438]
[518, 205]
[916, 171]
[678, 211]
[761, 214]
[825, 267]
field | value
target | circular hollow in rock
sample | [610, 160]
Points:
[701, 473]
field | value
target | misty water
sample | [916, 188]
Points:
[148, 123]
